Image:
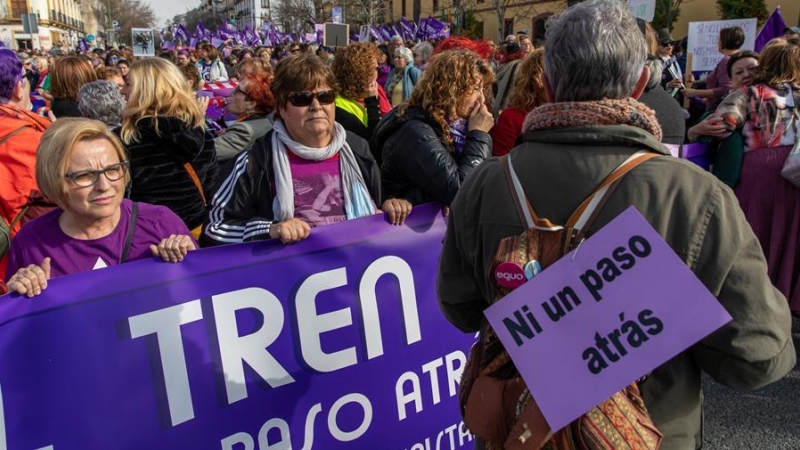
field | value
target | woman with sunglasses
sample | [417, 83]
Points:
[81, 167]
[252, 102]
[308, 171]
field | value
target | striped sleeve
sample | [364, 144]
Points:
[234, 208]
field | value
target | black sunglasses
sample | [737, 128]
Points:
[666, 44]
[305, 98]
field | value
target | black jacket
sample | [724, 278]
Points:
[158, 174]
[353, 124]
[669, 114]
[241, 209]
[63, 107]
[417, 165]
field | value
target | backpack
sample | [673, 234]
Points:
[495, 403]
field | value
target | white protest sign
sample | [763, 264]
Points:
[643, 9]
[703, 38]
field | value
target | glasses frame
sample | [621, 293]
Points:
[303, 99]
[72, 176]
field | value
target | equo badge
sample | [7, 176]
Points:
[509, 275]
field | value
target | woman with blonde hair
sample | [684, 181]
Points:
[172, 156]
[66, 79]
[432, 142]
[527, 94]
[82, 167]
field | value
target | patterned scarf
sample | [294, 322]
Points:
[594, 113]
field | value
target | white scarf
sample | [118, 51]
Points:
[357, 201]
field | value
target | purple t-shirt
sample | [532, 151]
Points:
[43, 237]
[318, 198]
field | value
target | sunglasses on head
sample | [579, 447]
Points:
[305, 98]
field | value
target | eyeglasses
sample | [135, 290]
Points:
[666, 44]
[238, 90]
[86, 178]
[305, 98]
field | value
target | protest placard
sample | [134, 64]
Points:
[703, 38]
[335, 342]
[643, 9]
[602, 316]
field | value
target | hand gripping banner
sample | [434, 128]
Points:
[332, 343]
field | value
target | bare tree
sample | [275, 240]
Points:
[524, 13]
[128, 13]
[667, 13]
[296, 15]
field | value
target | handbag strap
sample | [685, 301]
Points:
[587, 211]
[196, 179]
[126, 249]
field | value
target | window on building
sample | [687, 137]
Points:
[435, 6]
[539, 23]
[508, 27]
[403, 8]
[18, 8]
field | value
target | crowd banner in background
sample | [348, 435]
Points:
[703, 38]
[605, 314]
[335, 342]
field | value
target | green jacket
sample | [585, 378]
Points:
[696, 214]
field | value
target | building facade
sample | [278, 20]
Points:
[252, 13]
[60, 23]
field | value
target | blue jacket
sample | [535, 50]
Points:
[410, 77]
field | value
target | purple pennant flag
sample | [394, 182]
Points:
[217, 42]
[421, 29]
[434, 28]
[408, 30]
[250, 36]
[192, 43]
[168, 45]
[772, 28]
[181, 34]
[83, 46]
[386, 32]
[376, 35]
[199, 31]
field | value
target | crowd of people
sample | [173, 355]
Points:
[123, 163]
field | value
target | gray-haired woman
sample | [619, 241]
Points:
[101, 100]
[403, 77]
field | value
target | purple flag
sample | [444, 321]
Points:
[168, 45]
[408, 28]
[386, 32]
[83, 46]
[193, 43]
[376, 35]
[250, 36]
[199, 31]
[772, 28]
[335, 342]
[421, 29]
[181, 34]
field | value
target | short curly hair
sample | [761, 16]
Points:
[449, 78]
[354, 67]
[101, 100]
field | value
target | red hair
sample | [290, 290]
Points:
[480, 48]
[258, 91]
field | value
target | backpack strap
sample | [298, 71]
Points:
[587, 209]
[126, 249]
[193, 175]
[527, 216]
[10, 135]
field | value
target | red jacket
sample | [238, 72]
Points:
[17, 161]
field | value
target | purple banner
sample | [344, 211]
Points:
[607, 313]
[334, 343]
[772, 28]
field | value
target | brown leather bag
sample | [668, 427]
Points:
[496, 405]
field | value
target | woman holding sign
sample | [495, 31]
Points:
[81, 167]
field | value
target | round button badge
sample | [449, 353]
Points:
[509, 275]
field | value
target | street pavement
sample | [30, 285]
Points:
[767, 419]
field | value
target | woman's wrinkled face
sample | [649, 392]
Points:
[399, 61]
[310, 124]
[742, 72]
[100, 200]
